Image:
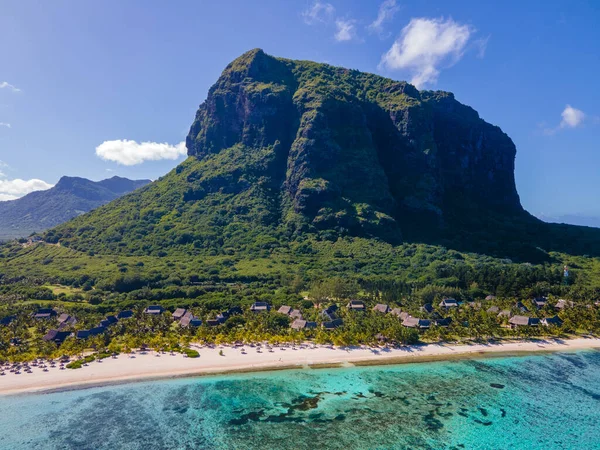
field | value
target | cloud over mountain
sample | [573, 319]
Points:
[130, 153]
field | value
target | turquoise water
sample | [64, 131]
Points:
[545, 402]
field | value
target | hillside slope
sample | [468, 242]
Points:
[70, 197]
[281, 149]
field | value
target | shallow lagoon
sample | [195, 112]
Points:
[543, 401]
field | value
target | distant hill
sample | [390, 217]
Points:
[71, 197]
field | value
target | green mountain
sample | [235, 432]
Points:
[70, 197]
[284, 150]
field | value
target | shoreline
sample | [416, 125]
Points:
[153, 366]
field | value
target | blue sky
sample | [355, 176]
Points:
[80, 76]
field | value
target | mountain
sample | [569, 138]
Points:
[283, 151]
[70, 197]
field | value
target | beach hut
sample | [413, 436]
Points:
[380, 307]
[505, 313]
[449, 303]
[44, 313]
[188, 320]
[539, 302]
[356, 305]
[154, 310]
[66, 319]
[260, 307]
[56, 336]
[179, 313]
[493, 310]
[414, 322]
[552, 321]
[329, 314]
[333, 324]
[285, 310]
[300, 324]
[523, 321]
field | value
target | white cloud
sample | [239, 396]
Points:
[4, 84]
[571, 117]
[387, 10]
[318, 12]
[12, 189]
[481, 46]
[4, 124]
[425, 45]
[345, 30]
[130, 153]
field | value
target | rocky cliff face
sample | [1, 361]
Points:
[357, 152]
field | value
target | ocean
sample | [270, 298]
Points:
[542, 401]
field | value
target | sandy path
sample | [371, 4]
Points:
[153, 366]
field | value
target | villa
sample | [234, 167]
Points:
[44, 313]
[260, 307]
[449, 303]
[552, 321]
[379, 307]
[300, 324]
[179, 313]
[154, 310]
[523, 321]
[413, 322]
[356, 305]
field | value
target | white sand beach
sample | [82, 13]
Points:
[152, 365]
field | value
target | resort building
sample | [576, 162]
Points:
[379, 307]
[413, 322]
[449, 303]
[333, 324]
[300, 324]
[154, 310]
[56, 336]
[260, 307]
[179, 313]
[285, 310]
[552, 321]
[329, 314]
[523, 321]
[44, 313]
[539, 302]
[356, 305]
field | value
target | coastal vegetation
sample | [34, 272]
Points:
[328, 185]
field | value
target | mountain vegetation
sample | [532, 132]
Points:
[308, 184]
[70, 197]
